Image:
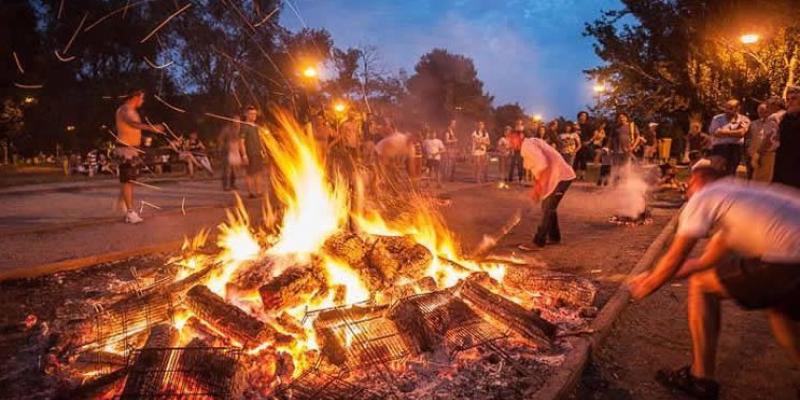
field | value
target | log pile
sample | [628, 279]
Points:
[229, 319]
[524, 322]
[380, 260]
[151, 366]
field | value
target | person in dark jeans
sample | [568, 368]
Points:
[549, 231]
[515, 139]
[727, 131]
[787, 157]
[553, 177]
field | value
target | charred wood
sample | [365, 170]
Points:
[554, 287]
[147, 375]
[289, 289]
[525, 322]
[229, 319]
[217, 369]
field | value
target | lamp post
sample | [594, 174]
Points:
[747, 39]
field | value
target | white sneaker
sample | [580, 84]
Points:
[132, 217]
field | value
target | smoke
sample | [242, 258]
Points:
[628, 197]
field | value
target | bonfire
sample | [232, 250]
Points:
[331, 297]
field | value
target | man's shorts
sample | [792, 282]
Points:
[432, 163]
[755, 284]
[129, 163]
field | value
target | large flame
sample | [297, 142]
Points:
[314, 207]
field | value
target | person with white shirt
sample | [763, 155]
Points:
[503, 152]
[480, 145]
[727, 135]
[433, 148]
[752, 257]
[553, 177]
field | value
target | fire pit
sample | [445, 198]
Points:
[331, 304]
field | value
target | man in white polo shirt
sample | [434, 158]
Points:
[752, 257]
[727, 132]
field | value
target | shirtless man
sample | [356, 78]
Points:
[129, 130]
[752, 257]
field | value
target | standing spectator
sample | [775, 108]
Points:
[515, 138]
[787, 156]
[553, 177]
[697, 142]
[606, 160]
[199, 157]
[623, 139]
[598, 141]
[480, 145]
[451, 154]
[231, 152]
[765, 145]
[129, 129]
[650, 143]
[727, 131]
[91, 162]
[434, 149]
[552, 133]
[753, 137]
[569, 144]
[503, 151]
[254, 151]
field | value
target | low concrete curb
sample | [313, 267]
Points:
[77, 263]
[569, 372]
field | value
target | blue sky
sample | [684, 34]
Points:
[529, 51]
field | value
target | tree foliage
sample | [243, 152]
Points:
[684, 56]
[446, 85]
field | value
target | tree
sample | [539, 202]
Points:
[679, 58]
[445, 86]
[507, 115]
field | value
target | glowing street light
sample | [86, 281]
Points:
[70, 128]
[599, 88]
[537, 117]
[749, 38]
[339, 107]
[310, 72]
[29, 100]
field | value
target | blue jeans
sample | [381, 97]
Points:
[516, 162]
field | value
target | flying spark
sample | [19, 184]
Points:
[161, 25]
[19, 64]
[164, 102]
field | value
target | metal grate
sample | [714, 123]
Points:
[187, 373]
[316, 385]
[124, 325]
[471, 331]
[368, 339]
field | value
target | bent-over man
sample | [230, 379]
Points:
[752, 257]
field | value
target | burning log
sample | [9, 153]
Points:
[289, 288]
[151, 366]
[95, 388]
[217, 369]
[427, 318]
[554, 287]
[229, 319]
[347, 247]
[526, 323]
[290, 324]
[395, 256]
[397, 292]
[99, 360]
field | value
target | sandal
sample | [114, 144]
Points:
[682, 380]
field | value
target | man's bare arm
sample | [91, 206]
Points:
[715, 252]
[647, 283]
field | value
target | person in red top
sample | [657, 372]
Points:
[515, 139]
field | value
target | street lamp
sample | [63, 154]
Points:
[29, 100]
[339, 107]
[749, 38]
[70, 128]
[310, 72]
[599, 88]
[537, 117]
